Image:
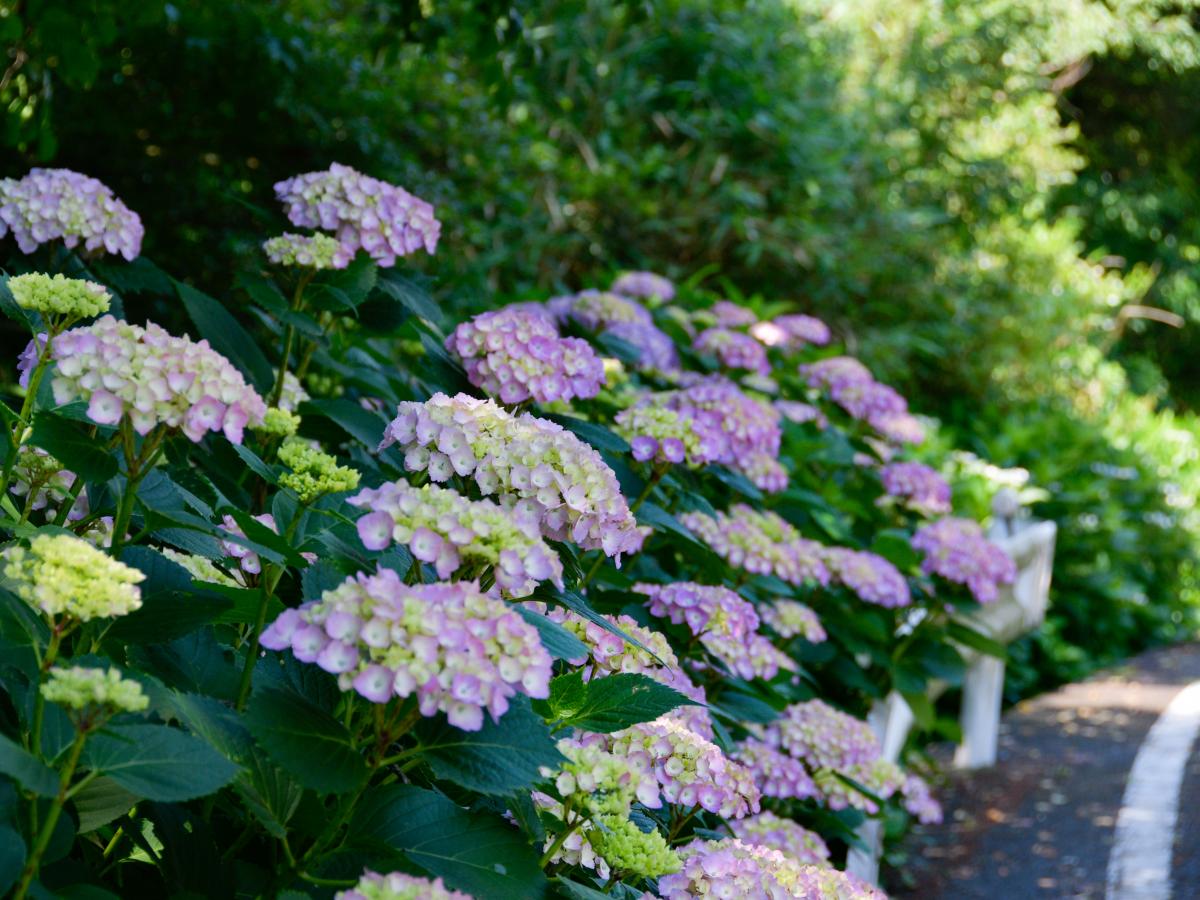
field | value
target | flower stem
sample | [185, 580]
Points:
[43, 839]
[289, 338]
[35, 381]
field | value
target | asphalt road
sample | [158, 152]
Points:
[1041, 824]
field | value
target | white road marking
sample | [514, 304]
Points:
[1139, 865]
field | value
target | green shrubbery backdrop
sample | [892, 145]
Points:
[978, 195]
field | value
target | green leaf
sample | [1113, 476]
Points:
[226, 335]
[256, 465]
[351, 285]
[559, 642]
[573, 890]
[616, 702]
[306, 741]
[500, 758]
[171, 606]
[264, 541]
[71, 445]
[597, 435]
[158, 762]
[969, 637]
[361, 424]
[26, 770]
[575, 602]
[100, 801]
[269, 793]
[478, 854]
[410, 295]
[895, 547]
[12, 857]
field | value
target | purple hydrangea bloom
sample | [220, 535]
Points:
[824, 737]
[956, 550]
[58, 204]
[399, 886]
[792, 332]
[775, 773]
[851, 386]
[760, 542]
[790, 619]
[728, 314]
[363, 212]
[733, 350]
[916, 486]
[777, 833]
[871, 577]
[623, 318]
[920, 802]
[733, 868]
[644, 284]
[458, 650]
[516, 355]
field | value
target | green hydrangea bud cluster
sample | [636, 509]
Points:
[314, 473]
[198, 567]
[59, 295]
[628, 849]
[313, 251]
[279, 422]
[62, 574]
[80, 688]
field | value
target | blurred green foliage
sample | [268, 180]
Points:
[947, 183]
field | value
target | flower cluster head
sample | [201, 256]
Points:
[597, 782]
[399, 886]
[776, 833]
[58, 204]
[659, 435]
[871, 577]
[824, 737]
[279, 422]
[63, 574]
[774, 772]
[517, 355]
[363, 212]
[610, 654]
[726, 624]
[644, 284]
[447, 530]
[38, 473]
[792, 332]
[690, 769]
[760, 542]
[309, 251]
[57, 295]
[734, 868]
[920, 802]
[851, 386]
[199, 568]
[247, 560]
[314, 473]
[531, 464]
[460, 651]
[916, 486]
[956, 550]
[795, 411]
[629, 850]
[790, 619]
[727, 314]
[80, 688]
[623, 318]
[733, 350]
[154, 378]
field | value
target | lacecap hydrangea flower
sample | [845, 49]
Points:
[791, 332]
[956, 550]
[399, 886]
[871, 577]
[691, 770]
[458, 650]
[314, 472]
[530, 464]
[777, 833]
[760, 542]
[363, 212]
[57, 295]
[154, 378]
[516, 355]
[733, 350]
[58, 204]
[790, 619]
[726, 625]
[307, 251]
[441, 527]
[644, 284]
[916, 486]
[64, 575]
[79, 688]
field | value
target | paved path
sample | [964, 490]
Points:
[1041, 824]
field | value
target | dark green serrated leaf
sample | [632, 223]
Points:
[305, 741]
[24, 768]
[158, 762]
[481, 855]
[71, 445]
[559, 642]
[101, 801]
[500, 758]
[618, 701]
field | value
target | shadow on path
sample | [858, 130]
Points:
[1040, 824]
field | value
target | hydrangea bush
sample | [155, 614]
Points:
[343, 594]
